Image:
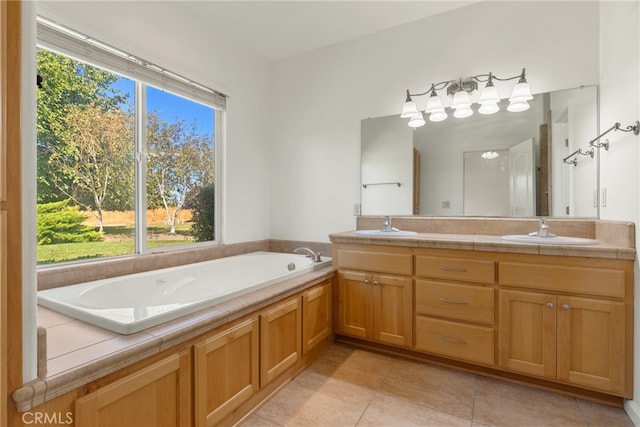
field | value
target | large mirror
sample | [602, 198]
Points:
[532, 163]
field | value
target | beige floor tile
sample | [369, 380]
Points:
[439, 388]
[314, 399]
[385, 410]
[354, 366]
[254, 420]
[499, 403]
[348, 387]
[598, 415]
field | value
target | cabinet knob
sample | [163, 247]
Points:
[566, 307]
[549, 305]
[376, 283]
[366, 281]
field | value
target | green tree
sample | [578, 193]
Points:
[202, 226]
[66, 84]
[59, 223]
[180, 161]
[96, 157]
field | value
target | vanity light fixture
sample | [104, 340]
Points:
[460, 90]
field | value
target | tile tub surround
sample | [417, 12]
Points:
[103, 268]
[617, 238]
[79, 353]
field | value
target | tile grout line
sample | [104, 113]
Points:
[473, 399]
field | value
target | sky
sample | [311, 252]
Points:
[172, 108]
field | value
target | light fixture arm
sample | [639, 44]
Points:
[469, 84]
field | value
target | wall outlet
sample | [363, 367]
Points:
[446, 204]
[356, 209]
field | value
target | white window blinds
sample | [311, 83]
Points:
[81, 47]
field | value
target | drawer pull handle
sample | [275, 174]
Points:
[366, 281]
[549, 305]
[452, 340]
[448, 301]
[454, 269]
[566, 307]
[376, 283]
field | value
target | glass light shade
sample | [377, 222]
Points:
[409, 109]
[489, 108]
[438, 116]
[489, 94]
[460, 99]
[463, 111]
[518, 106]
[434, 104]
[417, 121]
[521, 91]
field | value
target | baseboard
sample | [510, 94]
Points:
[633, 411]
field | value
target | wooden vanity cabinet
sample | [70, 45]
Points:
[280, 339]
[226, 371]
[373, 305]
[563, 322]
[157, 395]
[577, 331]
[316, 316]
[454, 304]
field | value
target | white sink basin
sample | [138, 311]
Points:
[554, 240]
[396, 233]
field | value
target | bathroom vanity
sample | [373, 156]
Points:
[553, 316]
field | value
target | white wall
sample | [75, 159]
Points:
[620, 102]
[319, 98]
[168, 35]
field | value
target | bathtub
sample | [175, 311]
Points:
[131, 303]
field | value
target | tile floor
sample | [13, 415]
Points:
[352, 387]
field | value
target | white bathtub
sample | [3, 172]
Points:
[131, 303]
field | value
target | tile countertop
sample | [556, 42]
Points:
[616, 240]
[79, 353]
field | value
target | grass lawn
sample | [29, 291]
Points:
[117, 241]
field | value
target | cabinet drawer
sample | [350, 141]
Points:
[464, 302]
[465, 342]
[382, 262]
[595, 281]
[468, 270]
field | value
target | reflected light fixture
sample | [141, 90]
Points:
[489, 155]
[460, 91]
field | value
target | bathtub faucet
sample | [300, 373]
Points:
[311, 254]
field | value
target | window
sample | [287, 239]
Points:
[126, 152]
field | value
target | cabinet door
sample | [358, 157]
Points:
[354, 304]
[316, 316]
[157, 395]
[226, 372]
[392, 310]
[280, 339]
[527, 332]
[591, 342]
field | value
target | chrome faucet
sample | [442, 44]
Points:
[316, 257]
[387, 225]
[543, 230]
